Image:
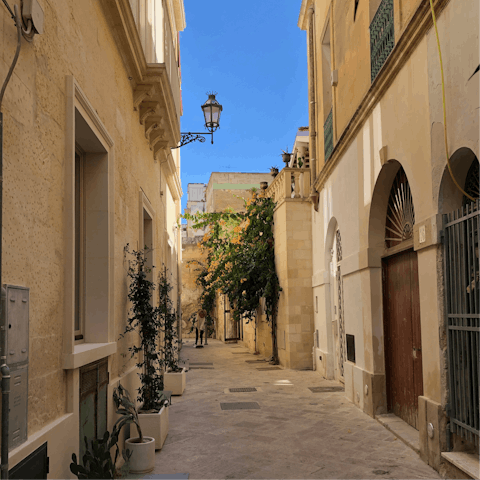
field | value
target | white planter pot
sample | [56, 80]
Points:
[155, 425]
[175, 381]
[143, 454]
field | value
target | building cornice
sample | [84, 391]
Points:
[302, 17]
[152, 89]
[413, 33]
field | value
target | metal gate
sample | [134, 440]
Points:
[93, 402]
[461, 231]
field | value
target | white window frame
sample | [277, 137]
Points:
[85, 129]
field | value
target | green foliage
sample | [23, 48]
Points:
[97, 462]
[145, 318]
[126, 409]
[240, 258]
[169, 319]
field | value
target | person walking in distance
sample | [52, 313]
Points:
[200, 326]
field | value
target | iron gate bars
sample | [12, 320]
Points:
[462, 301]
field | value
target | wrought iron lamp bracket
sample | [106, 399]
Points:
[190, 137]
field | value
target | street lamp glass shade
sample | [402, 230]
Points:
[211, 111]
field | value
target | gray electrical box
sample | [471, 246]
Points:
[17, 324]
[17, 431]
[17, 313]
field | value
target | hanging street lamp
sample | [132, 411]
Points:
[211, 111]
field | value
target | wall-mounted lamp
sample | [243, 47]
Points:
[211, 111]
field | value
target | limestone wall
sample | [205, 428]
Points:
[190, 290]
[399, 123]
[77, 42]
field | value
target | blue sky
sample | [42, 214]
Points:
[255, 57]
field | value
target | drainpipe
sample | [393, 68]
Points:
[311, 98]
[5, 371]
[313, 351]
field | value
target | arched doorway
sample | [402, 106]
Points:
[401, 305]
[461, 226]
[338, 323]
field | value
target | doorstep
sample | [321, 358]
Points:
[401, 429]
[467, 462]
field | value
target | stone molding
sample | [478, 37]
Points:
[150, 82]
[413, 33]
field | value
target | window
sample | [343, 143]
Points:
[327, 93]
[79, 243]
[89, 233]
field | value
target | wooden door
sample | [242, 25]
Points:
[403, 347]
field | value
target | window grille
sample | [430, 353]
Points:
[382, 36]
[328, 135]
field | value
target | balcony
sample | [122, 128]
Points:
[290, 183]
[382, 36]
[147, 43]
[328, 136]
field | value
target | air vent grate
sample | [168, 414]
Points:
[326, 389]
[200, 363]
[269, 368]
[201, 368]
[243, 389]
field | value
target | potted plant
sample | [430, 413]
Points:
[286, 157]
[175, 378]
[141, 448]
[300, 162]
[145, 318]
[274, 171]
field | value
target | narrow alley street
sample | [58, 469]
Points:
[287, 431]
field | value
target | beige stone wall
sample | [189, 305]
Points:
[293, 258]
[78, 42]
[403, 125]
[223, 189]
[261, 340]
[190, 290]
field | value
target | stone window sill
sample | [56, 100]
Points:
[86, 353]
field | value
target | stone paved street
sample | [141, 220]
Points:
[294, 434]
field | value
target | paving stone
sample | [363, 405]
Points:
[288, 437]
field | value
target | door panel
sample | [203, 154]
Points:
[403, 356]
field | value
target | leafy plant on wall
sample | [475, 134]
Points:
[168, 319]
[240, 260]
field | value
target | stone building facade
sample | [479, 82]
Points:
[361, 243]
[91, 115]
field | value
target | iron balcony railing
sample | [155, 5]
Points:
[382, 36]
[462, 298]
[328, 135]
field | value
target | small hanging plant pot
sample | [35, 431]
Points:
[273, 172]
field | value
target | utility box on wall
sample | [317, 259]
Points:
[17, 322]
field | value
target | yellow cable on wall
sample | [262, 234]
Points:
[444, 107]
